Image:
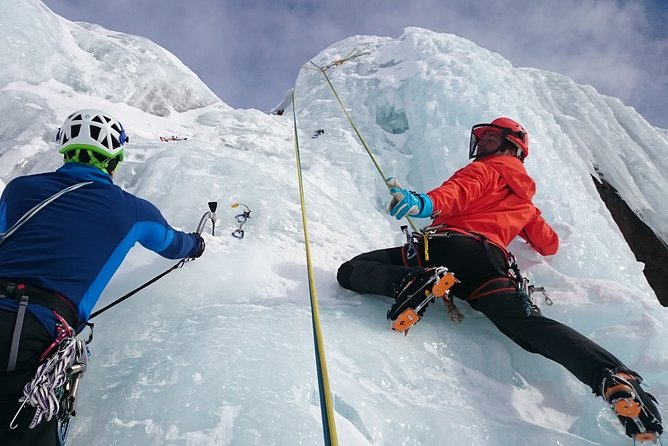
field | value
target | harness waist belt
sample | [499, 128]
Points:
[39, 296]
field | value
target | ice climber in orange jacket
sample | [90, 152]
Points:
[476, 213]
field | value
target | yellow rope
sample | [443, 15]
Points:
[326, 407]
[359, 135]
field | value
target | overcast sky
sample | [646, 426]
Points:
[249, 52]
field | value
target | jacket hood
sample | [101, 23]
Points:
[513, 172]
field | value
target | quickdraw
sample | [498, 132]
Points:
[355, 53]
[525, 290]
[69, 391]
[53, 389]
[241, 219]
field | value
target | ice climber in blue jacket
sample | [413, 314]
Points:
[63, 235]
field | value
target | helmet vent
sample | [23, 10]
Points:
[76, 128]
[95, 132]
[98, 119]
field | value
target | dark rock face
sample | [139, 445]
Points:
[647, 247]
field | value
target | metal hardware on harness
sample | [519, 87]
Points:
[411, 249]
[74, 375]
[52, 391]
[541, 289]
[241, 219]
[526, 292]
[75, 371]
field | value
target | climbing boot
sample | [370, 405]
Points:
[634, 407]
[415, 292]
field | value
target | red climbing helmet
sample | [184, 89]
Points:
[511, 131]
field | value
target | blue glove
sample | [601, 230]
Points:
[405, 202]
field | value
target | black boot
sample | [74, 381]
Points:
[635, 408]
[415, 292]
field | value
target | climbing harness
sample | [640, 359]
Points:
[326, 404]
[19, 290]
[318, 133]
[510, 280]
[241, 219]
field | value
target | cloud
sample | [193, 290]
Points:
[249, 52]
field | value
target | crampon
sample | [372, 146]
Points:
[418, 291]
[634, 407]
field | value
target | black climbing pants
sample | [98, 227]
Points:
[34, 340]
[379, 272]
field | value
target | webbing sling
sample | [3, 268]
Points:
[23, 303]
[18, 326]
[31, 213]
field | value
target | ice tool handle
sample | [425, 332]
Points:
[208, 216]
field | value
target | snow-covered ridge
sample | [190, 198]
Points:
[94, 61]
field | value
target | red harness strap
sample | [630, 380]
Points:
[493, 286]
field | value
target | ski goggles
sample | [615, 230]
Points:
[478, 131]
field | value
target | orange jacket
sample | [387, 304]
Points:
[492, 196]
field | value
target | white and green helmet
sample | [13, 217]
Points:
[92, 137]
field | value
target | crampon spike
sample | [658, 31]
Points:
[645, 437]
[410, 317]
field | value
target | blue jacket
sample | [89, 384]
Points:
[75, 244]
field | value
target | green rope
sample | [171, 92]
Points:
[357, 132]
[326, 410]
